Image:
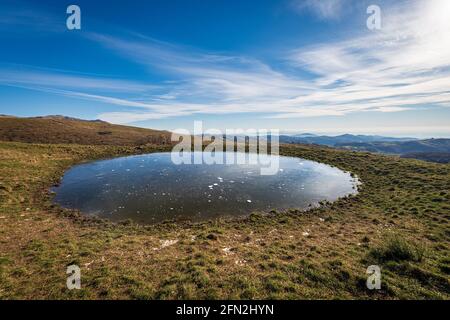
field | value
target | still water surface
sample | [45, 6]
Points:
[150, 188]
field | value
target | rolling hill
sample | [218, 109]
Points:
[438, 157]
[331, 141]
[433, 150]
[399, 147]
[60, 129]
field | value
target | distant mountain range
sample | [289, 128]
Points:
[62, 129]
[435, 150]
[400, 147]
[331, 141]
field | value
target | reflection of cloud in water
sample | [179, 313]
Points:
[154, 189]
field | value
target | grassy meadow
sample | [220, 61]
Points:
[399, 220]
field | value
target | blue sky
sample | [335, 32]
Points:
[293, 65]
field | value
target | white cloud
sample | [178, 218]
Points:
[26, 16]
[404, 66]
[324, 9]
[26, 76]
[407, 63]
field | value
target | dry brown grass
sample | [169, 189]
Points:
[56, 129]
[265, 255]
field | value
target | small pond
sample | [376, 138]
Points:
[151, 188]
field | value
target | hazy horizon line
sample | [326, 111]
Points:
[379, 131]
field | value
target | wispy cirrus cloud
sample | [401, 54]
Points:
[404, 66]
[407, 63]
[15, 75]
[17, 16]
[324, 9]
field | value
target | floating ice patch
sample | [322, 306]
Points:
[164, 185]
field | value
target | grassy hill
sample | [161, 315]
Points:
[399, 220]
[343, 139]
[400, 147]
[59, 129]
[438, 157]
[434, 150]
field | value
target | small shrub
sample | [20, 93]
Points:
[366, 239]
[211, 236]
[397, 249]
[103, 133]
